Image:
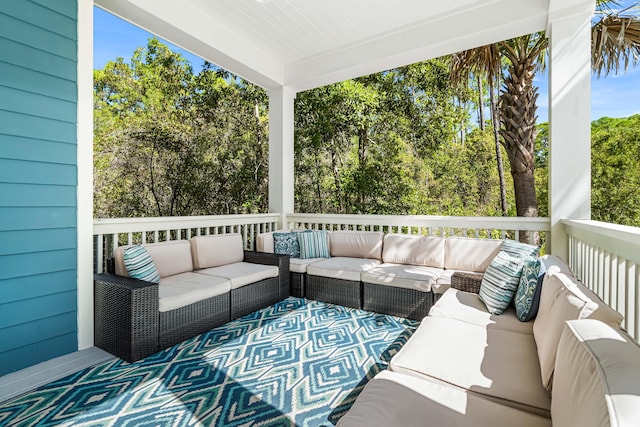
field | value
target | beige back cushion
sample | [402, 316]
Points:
[216, 250]
[597, 377]
[356, 244]
[414, 250]
[563, 298]
[172, 257]
[467, 254]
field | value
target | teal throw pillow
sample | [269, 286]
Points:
[313, 244]
[500, 282]
[140, 265]
[527, 299]
[519, 250]
[286, 244]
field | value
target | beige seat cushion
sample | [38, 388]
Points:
[342, 268]
[216, 250]
[597, 377]
[187, 288]
[393, 399]
[172, 257]
[468, 254]
[356, 244]
[493, 362]
[414, 250]
[564, 298]
[242, 273]
[417, 277]
[299, 265]
[467, 307]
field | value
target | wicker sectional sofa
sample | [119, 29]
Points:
[401, 275]
[204, 283]
[571, 366]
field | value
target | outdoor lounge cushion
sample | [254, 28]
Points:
[467, 307]
[356, 244]
[564, 298]
[299, 265]
[497, 363]
[216, 250]
[393, 399]
[342, 268]
[414, 250]
[183, 289]
[242, 273]
[467, 254]
[597, 379]
[172, 257]
[417, 277]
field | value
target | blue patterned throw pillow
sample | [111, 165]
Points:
[527, 297]
[519, 250]
[313, 244]
[286, 244]
[500, 282]
[140, 265]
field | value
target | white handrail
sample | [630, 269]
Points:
[606, 258]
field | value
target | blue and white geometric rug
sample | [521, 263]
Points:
[296, 363]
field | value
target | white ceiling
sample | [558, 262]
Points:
[304, 44]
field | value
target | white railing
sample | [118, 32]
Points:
[108, 234]
[606, 258]
[495, 227]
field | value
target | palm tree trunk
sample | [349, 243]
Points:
[495, 120]
[480, 102]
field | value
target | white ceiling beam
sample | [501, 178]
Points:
[471, 27]
[202, 35]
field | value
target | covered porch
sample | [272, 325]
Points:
[287, 47]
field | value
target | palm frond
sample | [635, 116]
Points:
[615, 44]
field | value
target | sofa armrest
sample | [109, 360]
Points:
[126, 316]
[467, 282]
[280, 261]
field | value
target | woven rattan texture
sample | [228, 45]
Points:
[335, 291]
[297, 284]
[468, 282]
[255, 296]
[401, 302]
[126, 316]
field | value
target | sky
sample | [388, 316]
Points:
[614, 96]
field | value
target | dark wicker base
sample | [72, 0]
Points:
[126, 316]
[297, 284]
[335, 291]
[401, 302]
[191, 320]
[255, 296]
[467, 282]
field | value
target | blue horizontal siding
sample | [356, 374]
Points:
[32, 81]
[38, 181]
[51, 327]
[35, 104]
[37, 218]
[26, 356]
[30, 172]
[57, 17]
[34, 286]
[26, 265]
[28, 195]
[38, 150]
[17, 124]
[29, 241]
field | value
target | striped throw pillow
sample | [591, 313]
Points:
[500, 282]
[519, 250]
[140, 265]
[313, 244]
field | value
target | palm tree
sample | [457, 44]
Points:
[615, 45]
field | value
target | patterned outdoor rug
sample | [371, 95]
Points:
[298, 362]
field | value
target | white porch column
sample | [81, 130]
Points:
[569, 125]
[281, 152]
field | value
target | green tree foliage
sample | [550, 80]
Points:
[168, 142]
[615, 162]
